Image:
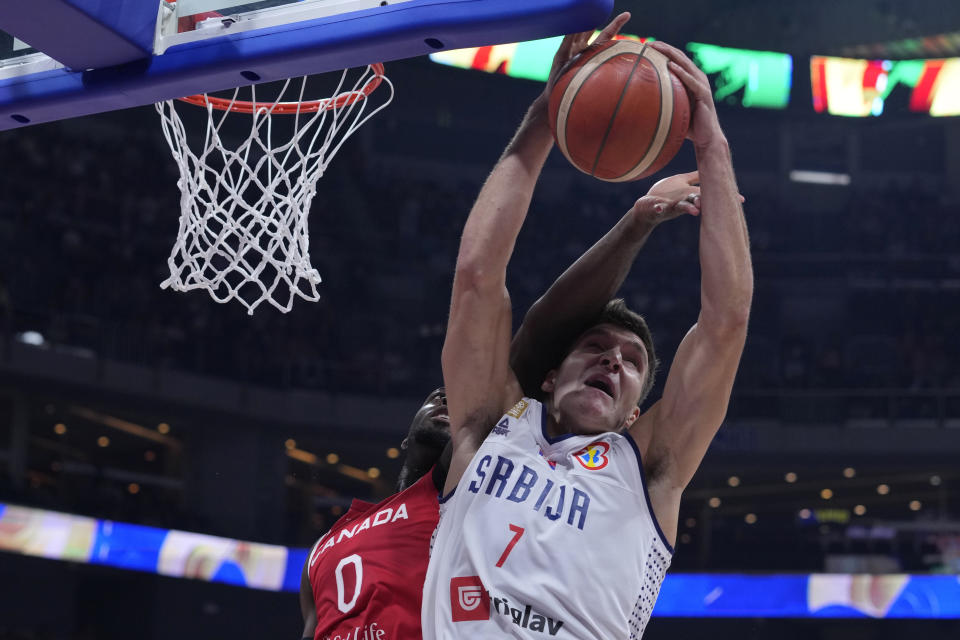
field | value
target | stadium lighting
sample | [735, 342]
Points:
[820, 177]
[34, 338]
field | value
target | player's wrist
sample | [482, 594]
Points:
[645, 215]
[534, 134]
[537, 115]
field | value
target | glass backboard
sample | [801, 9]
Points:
[88, 59]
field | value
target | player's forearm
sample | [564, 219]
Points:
[496, 218]
[575, 299]
[726, 281]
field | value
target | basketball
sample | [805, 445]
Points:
[618, 113]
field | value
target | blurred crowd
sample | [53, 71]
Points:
[862, 295]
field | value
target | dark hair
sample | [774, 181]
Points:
[618, 314]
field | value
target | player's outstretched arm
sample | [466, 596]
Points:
[475, 362]
[578, 296]
[680, 427]
[475, 359]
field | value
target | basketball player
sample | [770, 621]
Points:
[560, 521]
[389, 563]
[362, 579]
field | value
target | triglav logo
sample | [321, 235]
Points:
[468, 599]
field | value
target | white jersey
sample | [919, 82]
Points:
[545, 538]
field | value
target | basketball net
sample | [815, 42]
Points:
[244, 207]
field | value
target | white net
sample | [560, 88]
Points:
[244, 203]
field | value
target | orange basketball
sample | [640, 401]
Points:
[618, 113]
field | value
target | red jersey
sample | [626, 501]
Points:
[367, 572]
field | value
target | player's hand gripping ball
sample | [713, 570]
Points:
[618, 113]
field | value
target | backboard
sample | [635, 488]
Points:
[66, 58]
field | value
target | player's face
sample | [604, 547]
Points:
[430, 427]
[597, 386]
[428, 436]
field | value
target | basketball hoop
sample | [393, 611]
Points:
[244, 207]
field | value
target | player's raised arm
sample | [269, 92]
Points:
[681, 425]
[577, 297]
[476, 363]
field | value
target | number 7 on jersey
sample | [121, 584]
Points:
[517, 532]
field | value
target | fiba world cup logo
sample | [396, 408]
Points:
[469, 599]
[594, 456]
